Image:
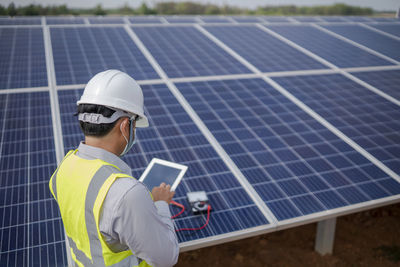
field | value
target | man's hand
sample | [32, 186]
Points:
[163, 192]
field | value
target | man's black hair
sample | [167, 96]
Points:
[96, 130]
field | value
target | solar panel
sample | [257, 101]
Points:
[173, 136]
[262, 50]
[22, 58]
[336, 51]
[369, 120]
[387, 81]
[307, 19]
[178, 20]
[383, 19]
[358, 19]
[106, 20]
[250, 19]
[20, 21]
[64, 20]
[393, 29]
[145, 20]
[369, 38]
[295, 164]
[184, 52]
[213, 19]
[333, 19]
[277, 19]
[31, 231]
[80, 53]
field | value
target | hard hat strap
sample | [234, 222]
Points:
[96, 118]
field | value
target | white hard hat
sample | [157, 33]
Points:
[115, 89]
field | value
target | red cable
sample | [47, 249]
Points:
[179, 205]
[199, 228]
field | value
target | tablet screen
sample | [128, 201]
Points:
[160, 171]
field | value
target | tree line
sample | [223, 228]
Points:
[184, 8]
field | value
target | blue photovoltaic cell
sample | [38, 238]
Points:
[106, 20]
[81, 52]
[211, 19]
[64, 20]
[333, 19]
[145, 20]
[264, 51]
[173, 136]
[277, 19]
[393, 28]
[387, 81]
[295, 164]
[368, 119]
[307, 19]
[20, 21]
[22, 58]
[183, 51]
[181, 19]
[31, 232]
[382, 19]
[334, 50]
[358, 19]
[371, 39]
[248, 19]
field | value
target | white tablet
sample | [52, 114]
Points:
[162, 171]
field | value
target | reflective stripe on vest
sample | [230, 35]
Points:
[104, 173]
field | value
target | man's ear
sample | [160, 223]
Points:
[125, 125]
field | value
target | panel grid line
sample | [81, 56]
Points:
[55, 114]
[216, 77]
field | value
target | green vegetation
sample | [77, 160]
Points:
[184, 8]
[337, 9]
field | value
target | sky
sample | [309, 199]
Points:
[380, 5]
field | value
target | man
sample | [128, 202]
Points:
[110, 218]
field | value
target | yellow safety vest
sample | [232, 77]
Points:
[80, 187]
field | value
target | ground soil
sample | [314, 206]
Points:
[369, 238]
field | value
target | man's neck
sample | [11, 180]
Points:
[103, 144]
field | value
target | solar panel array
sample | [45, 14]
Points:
[281, 120]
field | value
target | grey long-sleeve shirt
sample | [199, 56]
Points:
[129, 218]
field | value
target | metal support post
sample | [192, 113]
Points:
[325, 237]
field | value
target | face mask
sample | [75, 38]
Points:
[132, 138]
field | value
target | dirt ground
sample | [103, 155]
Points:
[369, 238]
